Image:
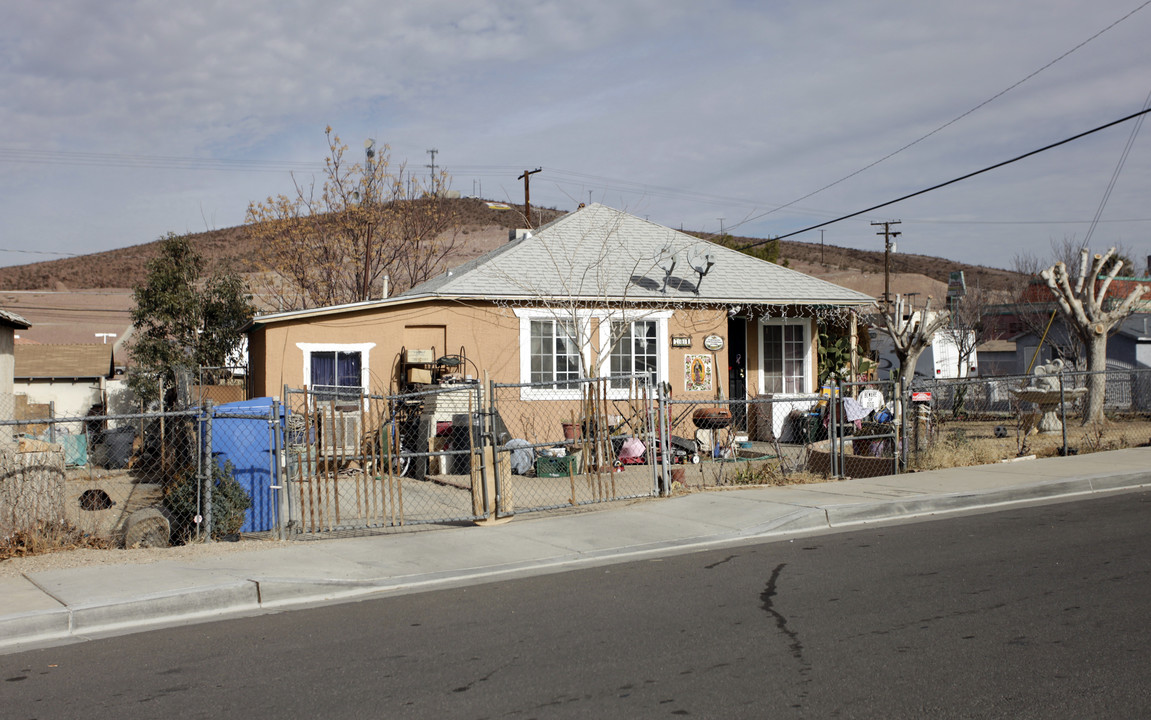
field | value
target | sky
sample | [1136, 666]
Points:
[125, 120]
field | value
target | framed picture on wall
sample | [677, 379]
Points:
[698, 373]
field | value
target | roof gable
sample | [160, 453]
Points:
[63, 361]
[601, 253]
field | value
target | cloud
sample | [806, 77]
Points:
[675, 110]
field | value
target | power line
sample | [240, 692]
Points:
[952, 121]
[1115, 174]
[955, 180]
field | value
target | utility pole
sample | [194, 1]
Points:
[888, 237]
[822, 259]
[721, 226]
[433, 152]
[526, 177]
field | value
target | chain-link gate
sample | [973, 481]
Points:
[358, 461]
[573, 443]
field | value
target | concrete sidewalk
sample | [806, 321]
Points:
[57, 606]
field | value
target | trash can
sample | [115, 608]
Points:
[118, 446]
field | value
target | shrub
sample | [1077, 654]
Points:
[229, 502]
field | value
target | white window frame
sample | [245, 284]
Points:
[809, 359]
[526, 316]
[603, 362]
[364, 349]
[660, 317]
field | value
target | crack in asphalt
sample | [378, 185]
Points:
[767, 597]
[729, 558]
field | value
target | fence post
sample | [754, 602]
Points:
[492, 504]
[275, 467]
[901, 407]
[1062, 412]
[833, 432]
[665, 440]
[210, 471]
[52, 425]
[487, 442]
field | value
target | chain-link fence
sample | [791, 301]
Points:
[130, 480]
[980, 420]
[336, 461]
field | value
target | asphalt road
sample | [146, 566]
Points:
[1038, 612]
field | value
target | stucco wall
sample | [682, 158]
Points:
[72, 399]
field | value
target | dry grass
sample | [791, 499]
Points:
[48, 537]
[966, 443]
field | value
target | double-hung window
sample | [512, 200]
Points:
[634, 351]
[555, 353]
[785, 357]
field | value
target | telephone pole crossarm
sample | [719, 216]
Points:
[888, 237]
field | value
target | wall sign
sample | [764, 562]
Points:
[681, 341]
[713, 342]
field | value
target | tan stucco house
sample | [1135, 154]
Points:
[595, 291]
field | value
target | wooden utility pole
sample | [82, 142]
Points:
[888, 236]
[435, 180]
[526, 177]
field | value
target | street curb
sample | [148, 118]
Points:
[262, 595]
[143, 613]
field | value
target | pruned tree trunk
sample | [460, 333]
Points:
[1097, 381]
[1085, 309]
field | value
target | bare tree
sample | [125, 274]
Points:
[336, 243]
[1086, 310]
[911, 334]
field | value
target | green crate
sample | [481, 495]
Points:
[557, 466]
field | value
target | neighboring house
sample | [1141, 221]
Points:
[1129, 346]
[74, 378]
[10, 322]
[594, 292]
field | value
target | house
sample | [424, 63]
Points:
[10, 322]
[1128, 346]
[73, 378]
[595, 292]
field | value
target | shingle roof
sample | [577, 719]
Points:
[63, 361]
[603, 253]
[11, 319]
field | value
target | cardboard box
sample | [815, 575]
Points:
[419, 375]
[416, 357]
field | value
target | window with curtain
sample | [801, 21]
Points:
[336, 375]
[555, 353]
[635, 352]
[784, 351]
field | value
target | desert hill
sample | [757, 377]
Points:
[483, 228]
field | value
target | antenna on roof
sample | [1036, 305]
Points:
[665, 259]
[702, 266]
